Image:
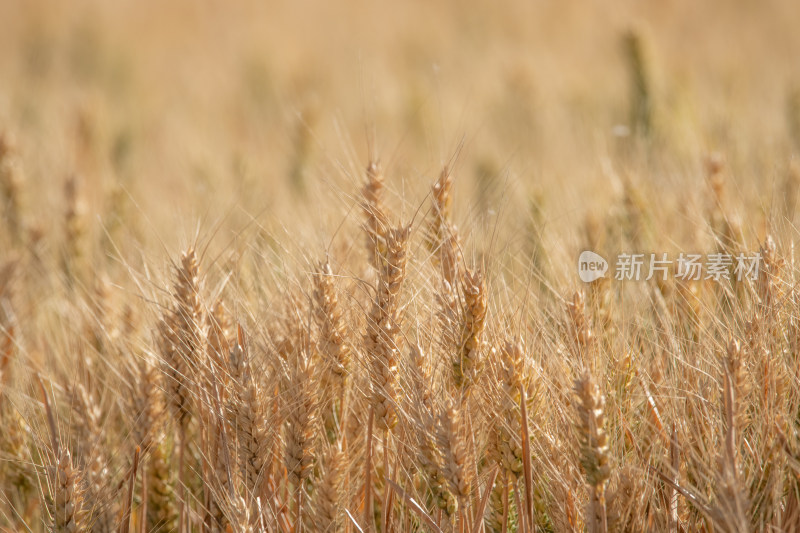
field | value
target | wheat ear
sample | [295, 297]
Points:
[594, 449]
[66, 502]
[249, 418]
[383, 339]
[334, 348]
[455, 466]
[301, 419]
[469, 361]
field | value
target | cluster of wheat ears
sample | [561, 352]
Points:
[421, 396]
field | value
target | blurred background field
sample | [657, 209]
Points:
[273, 108]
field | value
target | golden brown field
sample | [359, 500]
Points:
[314, 267]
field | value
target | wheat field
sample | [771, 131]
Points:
[318, 267]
